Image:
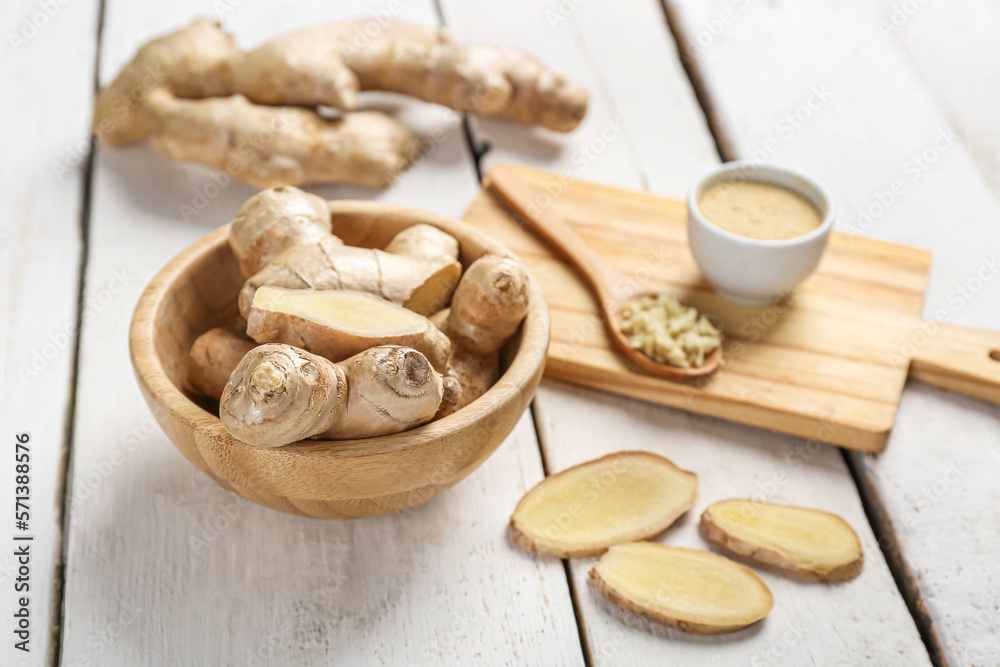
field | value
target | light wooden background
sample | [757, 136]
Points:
[140, 560]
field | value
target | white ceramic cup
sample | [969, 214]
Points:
[754, 272]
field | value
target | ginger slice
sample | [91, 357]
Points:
[338, 324]
[619, 498]
[691, 590]
[810, 543]
[423, 286]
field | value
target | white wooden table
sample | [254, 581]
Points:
[138, 559]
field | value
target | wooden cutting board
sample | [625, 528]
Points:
[829, 363]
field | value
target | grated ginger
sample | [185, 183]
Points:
[667, 331]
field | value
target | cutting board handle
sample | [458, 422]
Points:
[959, 359]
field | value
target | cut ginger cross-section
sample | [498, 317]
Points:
[338, 324]
[805, 542]
[691, 590]
[619, 498]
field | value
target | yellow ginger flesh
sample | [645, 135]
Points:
[691, 590]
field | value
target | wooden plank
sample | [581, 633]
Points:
[953, 47]
[625, 54]
[882, 145]
[47, 73]
[162, 562]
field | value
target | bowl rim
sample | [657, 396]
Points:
[151, 373]
[765, 173]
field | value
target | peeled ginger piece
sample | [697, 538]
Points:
[619, 498]
[809, 543]
[338, 324]
[691, 590]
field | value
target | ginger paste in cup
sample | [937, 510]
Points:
[759, 210]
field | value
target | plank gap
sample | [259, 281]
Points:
[690, 66]
[578, 615]
[65, 454]
[888, 543]
[581, 628]
[477, 150]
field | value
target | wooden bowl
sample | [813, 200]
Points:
[329, 479]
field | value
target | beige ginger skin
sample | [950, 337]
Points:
[267, 146]
[282, 237]
[321, 65]
[280, 394]
[489, 304]
[198, 97]
[273, 221]
[212, 359]
[426, 242]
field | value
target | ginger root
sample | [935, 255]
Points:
[268, 146]
[194, 62]
[803, 542]
[423, 286]
[338, 324]
[694, 591]
[273, 221]
[425, 241]
[320, 65]
[474, 373]
[212, 359]
[280, 394]
[198, 97]
[488, 305]
[619, 498]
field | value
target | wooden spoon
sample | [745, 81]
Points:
[604, 281]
